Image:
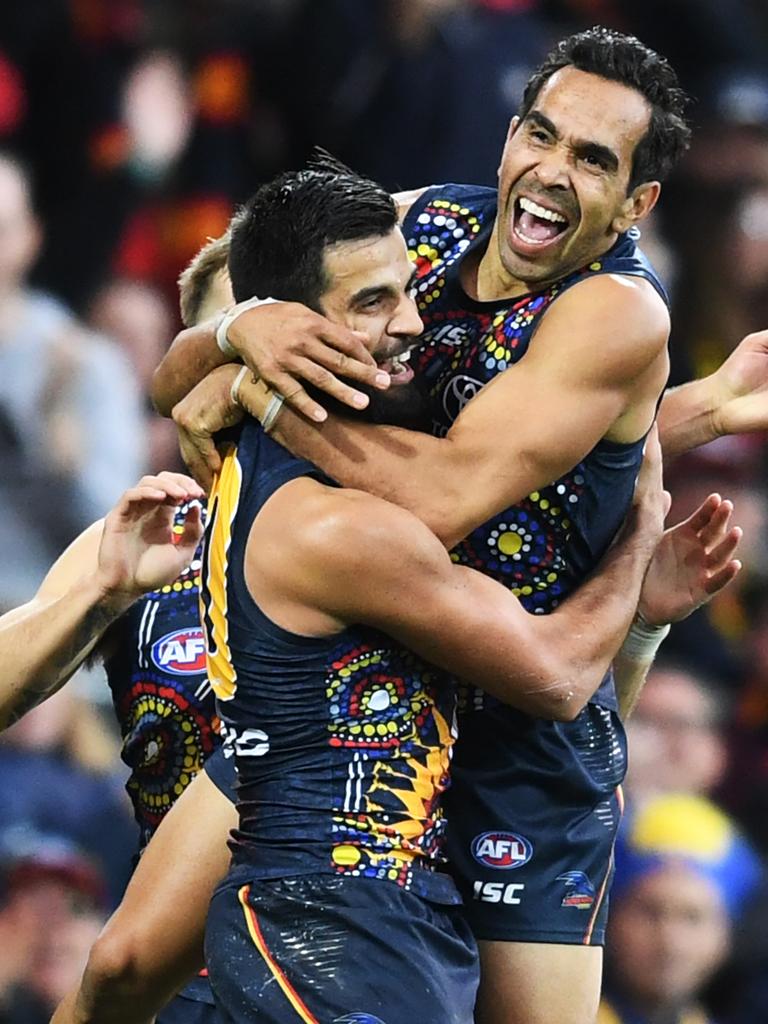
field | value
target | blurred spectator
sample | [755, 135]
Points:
[683, 876]
[410, 91]
[675, 736]
[70, 433]
[138, 316]
[58, 773]
[52, 907]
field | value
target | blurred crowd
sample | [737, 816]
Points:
[128, 132]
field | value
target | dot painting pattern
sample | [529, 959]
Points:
[393, 715]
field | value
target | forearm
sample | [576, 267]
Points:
[42, 645]
[629, 677]
[191, 357]
[634, 660]
[687, 417]
[591, 625]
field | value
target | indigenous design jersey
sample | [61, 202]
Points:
[543, 547]
[342, 743]
[162, 698]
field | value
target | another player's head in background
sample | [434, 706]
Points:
[676, 734]
[601, 125]
[204, 286]
[329, 239]
[683, 877]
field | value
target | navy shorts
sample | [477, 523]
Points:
[533, 812]
[329, 950]
[183, 1010]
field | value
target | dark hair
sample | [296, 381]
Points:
[279, 236]
[619, 58]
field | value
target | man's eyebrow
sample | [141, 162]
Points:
[374, 292]
[537, 118]
[382, 290]
[599, 152]
[594, 149]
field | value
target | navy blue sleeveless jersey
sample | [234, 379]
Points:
[162, 698]
[342, 743]
[543, 547]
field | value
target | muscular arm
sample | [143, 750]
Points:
[595, 367]
[452, 616]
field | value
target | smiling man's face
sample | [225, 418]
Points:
[370, 289]
[564, 176]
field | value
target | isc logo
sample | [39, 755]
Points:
[501, 850]
[182, 653]
[497, 892]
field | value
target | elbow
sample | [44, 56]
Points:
[158, 392]
[119, 971]
[557, 696]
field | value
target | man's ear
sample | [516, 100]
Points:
[637, 206]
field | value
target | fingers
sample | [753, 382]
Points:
[201, 457]
[699, 519]
[170, 488]
[724, 551]
[721, 579]
[713, 531]
[346, 365]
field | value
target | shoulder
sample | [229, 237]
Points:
[325, 527]
[624, 315]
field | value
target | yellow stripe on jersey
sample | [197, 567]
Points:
[222, 506]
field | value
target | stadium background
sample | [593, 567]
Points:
[141, 123]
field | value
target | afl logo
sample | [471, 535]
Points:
[501, 850]
[181, 653]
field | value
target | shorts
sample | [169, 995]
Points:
[182, 1010]
[533, 812]
[329, 950]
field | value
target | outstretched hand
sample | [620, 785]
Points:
[742, 387]
[692, 562]
[139, 550]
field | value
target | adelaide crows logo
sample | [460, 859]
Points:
[579, 891]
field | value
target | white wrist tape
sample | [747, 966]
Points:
[643, 640]
[229, 318]
[272, 411]
[234, 391]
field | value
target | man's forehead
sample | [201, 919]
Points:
[593, 109]
[356, 264]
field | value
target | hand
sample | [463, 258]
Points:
[692, 562]
[651, 501]
[285, 343]
[741, 388]
[139, 550]
[207, 409]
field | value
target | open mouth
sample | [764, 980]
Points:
[398, 367]
[535, 227]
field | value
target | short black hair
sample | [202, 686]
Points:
[279, 236]
[620, 58]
